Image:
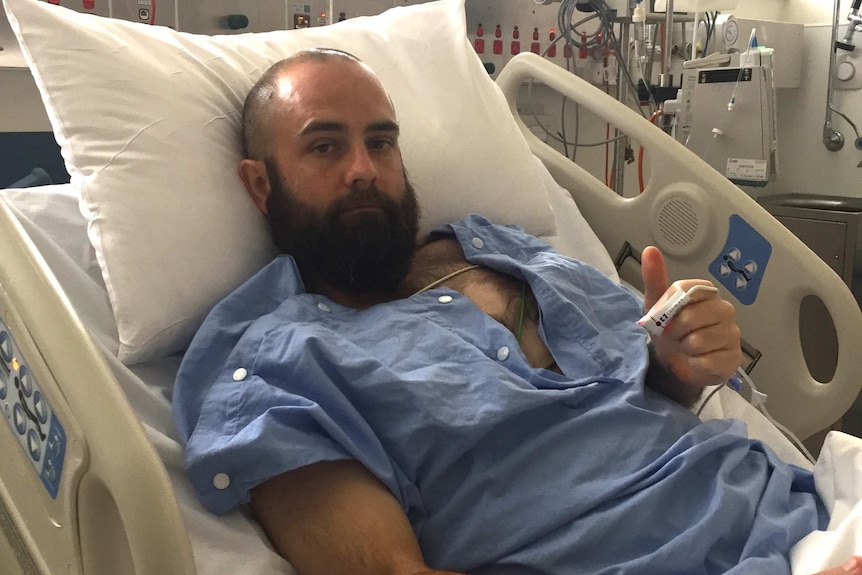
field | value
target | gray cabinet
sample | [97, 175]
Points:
[832, 227]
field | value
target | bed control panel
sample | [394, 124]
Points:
[742, 262]
[29, 415]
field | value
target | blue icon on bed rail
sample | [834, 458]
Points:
[742, 262]
[5, 347]
[29, 414]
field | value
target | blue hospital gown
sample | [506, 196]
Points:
[501, 468]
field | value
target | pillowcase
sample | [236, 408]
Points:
[148, 121]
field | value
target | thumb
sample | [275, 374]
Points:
[654, 273]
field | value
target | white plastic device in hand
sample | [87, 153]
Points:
[659, 315]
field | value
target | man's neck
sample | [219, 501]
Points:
[355, 301]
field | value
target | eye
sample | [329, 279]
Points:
[323, 148]
[381, 143]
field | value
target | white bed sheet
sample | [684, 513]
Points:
[234, 543]
[838, 475]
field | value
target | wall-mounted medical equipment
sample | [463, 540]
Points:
[625, 6]
[695, 5]
[143, 11]
[232, 16]
[587, 37]
[629, 48]
[845, 70]
[140, 11]
[726, 115]
[726, 111]
[786, 39]
[855, 19]
[569, 33]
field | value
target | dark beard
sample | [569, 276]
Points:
[365, 253]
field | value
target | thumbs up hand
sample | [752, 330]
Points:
[701, 345]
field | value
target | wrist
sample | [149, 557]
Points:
[659, 362]
[661, 377]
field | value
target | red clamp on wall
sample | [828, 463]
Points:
[479, 43]
[534, 46]
[516, 43]
[582, 53]
[552, 48]
[498, 43]
[89, 4]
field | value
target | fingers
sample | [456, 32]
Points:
[702, 344]
[695, 295]
[707, 331]
[853, 567]
[654, 273]
[714, 367]
[701, 324]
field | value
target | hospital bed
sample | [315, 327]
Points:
[91, 477]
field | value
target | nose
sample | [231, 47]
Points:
[361, 170]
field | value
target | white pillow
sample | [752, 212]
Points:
[148, 122]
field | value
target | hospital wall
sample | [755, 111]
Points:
[805, 165]
[25, 140]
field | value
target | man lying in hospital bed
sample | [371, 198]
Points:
[224, 544]
[104, 174]
[487, 439]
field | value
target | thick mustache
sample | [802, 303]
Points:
[369, 198]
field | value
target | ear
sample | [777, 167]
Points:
[253, 175]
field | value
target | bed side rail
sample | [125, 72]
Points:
[709, 228]
[82, 488]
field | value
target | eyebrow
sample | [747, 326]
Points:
[384, 126]
[319, 126]
[324, 126]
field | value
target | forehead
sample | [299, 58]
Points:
[333, 90]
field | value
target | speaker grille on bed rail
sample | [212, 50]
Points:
[678, 222]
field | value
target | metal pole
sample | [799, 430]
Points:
[668, 46]
[622, 95]
[832, 138]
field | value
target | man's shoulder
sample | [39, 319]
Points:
[251, 303]
[275, 281]
[257, 297]
[476, 232]
[477, 221]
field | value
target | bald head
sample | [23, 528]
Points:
[270, 92]
[323, 164]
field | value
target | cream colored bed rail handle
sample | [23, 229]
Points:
[128, 518]
[793, 271]
[835, 396]
[526, 65]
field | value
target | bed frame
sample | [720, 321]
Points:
[114, 512]
[111, 511]
[697, 217]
